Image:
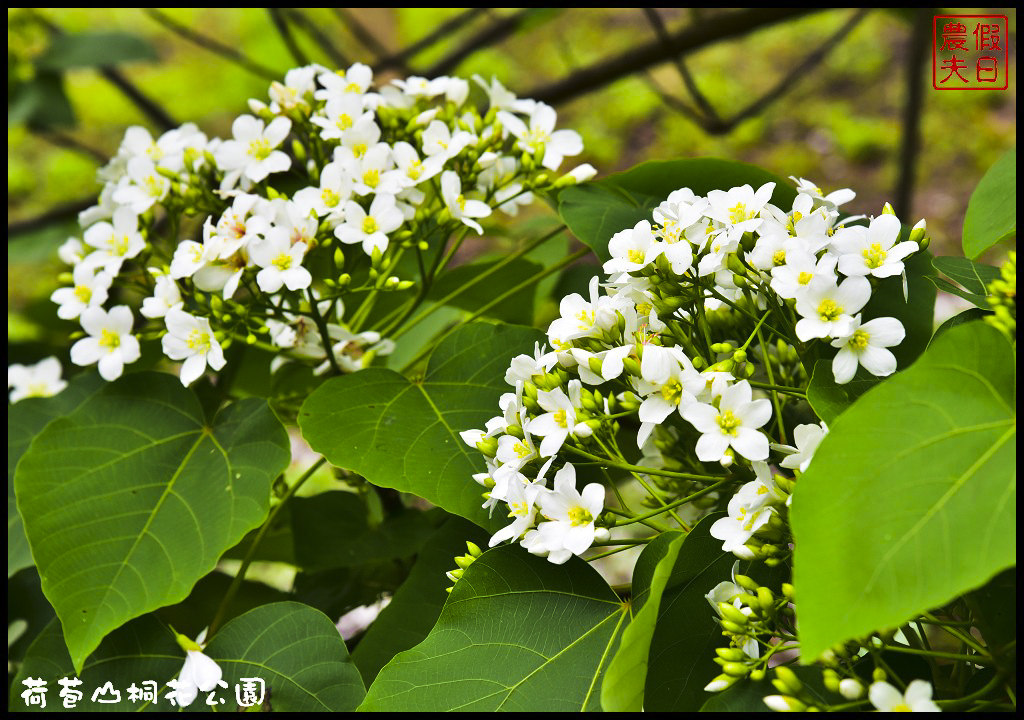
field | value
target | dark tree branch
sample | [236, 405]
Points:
[281, 25]
[149, 108]
[398, 60]
[703, 104]
[721, 27]
[207, 43]
[910, 142]
[69, 142]
[339, 59]
[491, 35]
[361, 33]
[61, 213]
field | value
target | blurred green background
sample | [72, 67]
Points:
[841, 117]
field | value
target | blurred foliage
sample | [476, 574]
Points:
[840, 125]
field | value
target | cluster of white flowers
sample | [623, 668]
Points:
[666, 340]
[330, 162]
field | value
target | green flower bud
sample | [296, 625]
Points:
[887, 209]
[631, 366]
[831, 679]
[455, 575]
[65, 278]
[251, 339]
[186, 643]
[878, 675]
[730, 654]
[735, 669]
[757, 675]
[464, 561]
[488, 446]
[787, 590]
[339, 257]
[299, 151]
[722, 347]
[740, 356]
[474, 549]
[344, 279]
[733, 627]
[732, 613]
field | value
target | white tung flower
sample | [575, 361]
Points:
[807, 438]
[918, 697]
[867, 346]
[115, 241]
[541, 135]
[370, 227]
[191, 339]
[872, 250]
[199, 673]
[462, 209]
[828, 310]
[40, 380]
[89, 290]
[732, 424]
[569, 529]
[252, 153]
[110, 343]
[281, 262]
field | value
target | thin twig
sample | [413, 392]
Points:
[302, 21]
[398, 60]
[910, 142]
[487, 37]
[159, 117]
[604, 72]
[281, 25]
[361, 32]
[703, 104]
[61, 213]
[207, 43]
[69, 142]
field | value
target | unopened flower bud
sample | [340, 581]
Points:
[732, 613]
[730, 654]
[735, 669]
[720, 683]
[879, 675]
[851, 689]
[887, 209]
[784, 703]
[918, 232]
[789, 679]
[747, 583]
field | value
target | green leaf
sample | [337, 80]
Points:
[995, 612]
[42, 103]
[968, 315]
[193, 613]
[405, 435]
[24, 420]
[416, 605]
[973, 276]
[517, 309]
[333, 530]
[518, 633]
[992, 210]
[687, 633]
[94, 50]
[623, 686]
[294, 649]
[829, 399]
[133, 497]
[595, 211]
[297, 651]
[911, 497]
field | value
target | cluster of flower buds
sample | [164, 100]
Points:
[707, 309]
[1003, 298]
[203, 241]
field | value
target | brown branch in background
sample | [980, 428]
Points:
[703, 104]
[490, 35]
[910, 142]
[149, 107]
[68, 142]
[720, 27]
[280, 22]
[361, 33]
[398, 60]
[339, 59]
[62, 213]
[207, 43]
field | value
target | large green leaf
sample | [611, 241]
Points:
[973, 277]
[992, 210]
[416, 605]
[517, 309]
[133, 497]
[595, 211]
[911, 498]
[687, 633]
[518, 633]
[24, 420]
[405, 435]
[623, 686]
[827, 398]
[294, 649]
[94, 50]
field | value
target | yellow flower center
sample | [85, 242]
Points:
[517, 509]
[260, 148]
[153, 186]
[110, 340]
[643, 308]
[672, 391]
[353, 88]
[560, 419]
[83, 293]
[330, 198]
[902, 707]
[37, 389]
[198, 340]
[779, 258]
[804, 277]
[121, 245]
[521, 449]
[371, 178]
[636, 256]
[829, 311]
[415, 170]
[369, 225]
[359, 149]
[728, 422]
[283, 261]
[344, 122]
[738, 213]
[461, 202]
[874, 256]
[859, 341]
[586, 318]
[579, 516]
